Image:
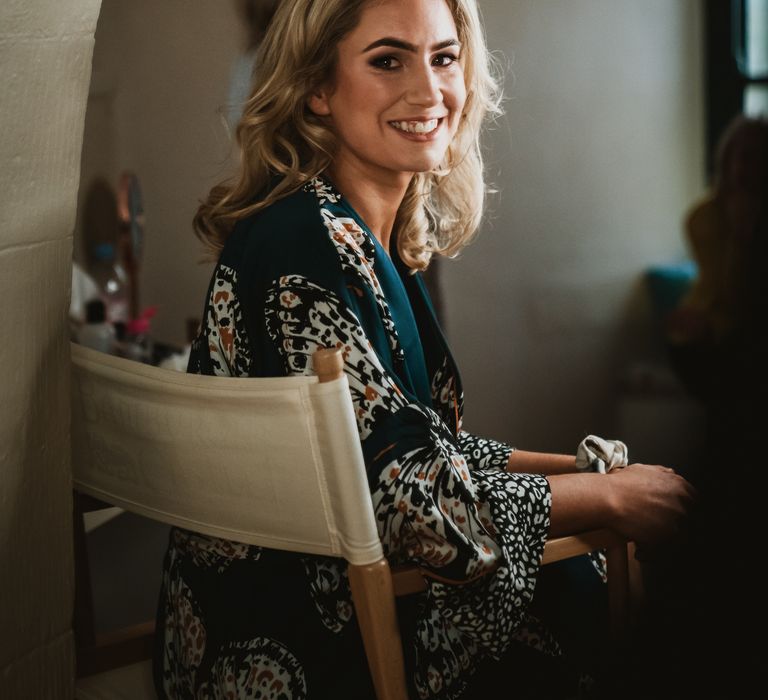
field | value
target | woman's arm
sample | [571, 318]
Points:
[642, 502]
[523, 462]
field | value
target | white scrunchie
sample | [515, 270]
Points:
[597, 455]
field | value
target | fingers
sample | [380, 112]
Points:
[687, 491]
[691, 494]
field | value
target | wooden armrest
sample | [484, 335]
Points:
[407, 580]
[561, 548]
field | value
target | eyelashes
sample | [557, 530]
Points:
[385, 62]
[443, 60]
[389, 62]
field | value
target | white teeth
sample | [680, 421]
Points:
[416, 127]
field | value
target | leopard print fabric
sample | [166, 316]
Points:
[302, 317]
[223, 330]
[446, 398]
[482, 453]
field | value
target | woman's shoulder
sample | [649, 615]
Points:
[291, 220]
[287, 237]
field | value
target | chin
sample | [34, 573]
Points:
[423, 165]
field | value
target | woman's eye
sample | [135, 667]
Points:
[385, 62]
[444, 59]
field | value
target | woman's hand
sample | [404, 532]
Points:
[649, 503]
[644, 503]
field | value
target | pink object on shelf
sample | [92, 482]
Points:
[140, 325]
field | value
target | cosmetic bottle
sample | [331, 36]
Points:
[96, 332]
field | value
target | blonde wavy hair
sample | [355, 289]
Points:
[283, 144]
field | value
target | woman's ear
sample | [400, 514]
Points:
[318, 102]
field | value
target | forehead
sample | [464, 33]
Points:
[415, 21]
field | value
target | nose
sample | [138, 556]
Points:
[423, 86]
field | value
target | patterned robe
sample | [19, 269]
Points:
[236, 621]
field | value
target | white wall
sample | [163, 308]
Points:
[160, 80]
[598, 156]
[45, 55]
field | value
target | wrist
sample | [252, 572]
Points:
[614, 499]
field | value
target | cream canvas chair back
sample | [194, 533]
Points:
[273, 461]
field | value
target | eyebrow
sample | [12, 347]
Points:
[406, 46]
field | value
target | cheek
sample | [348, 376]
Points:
[458, 101]
[356, 89]
[461, 93]
[368, 96]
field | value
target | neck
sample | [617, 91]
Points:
[375, 199]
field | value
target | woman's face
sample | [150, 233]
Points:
[398, 93]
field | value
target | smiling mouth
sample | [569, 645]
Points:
[417, 127]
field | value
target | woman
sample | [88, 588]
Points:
[360, 160]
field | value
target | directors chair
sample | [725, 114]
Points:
[239, 458]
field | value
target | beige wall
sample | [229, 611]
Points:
[598, 156]
[160, 82]
[45, 55]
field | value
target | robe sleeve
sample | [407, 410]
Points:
[477, 535]
[483, 453]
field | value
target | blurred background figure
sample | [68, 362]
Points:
[718, 332]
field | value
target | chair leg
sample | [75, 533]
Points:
[123, 647]
[98, 653]
[636, 586]
[618, 589]
[82, 622]
[374, 600]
